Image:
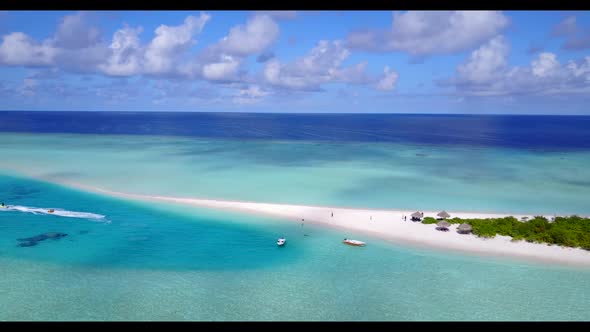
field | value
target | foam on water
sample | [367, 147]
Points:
[56, 212]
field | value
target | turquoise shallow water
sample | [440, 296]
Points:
[166, 262]
[356, 174]
[169, 262]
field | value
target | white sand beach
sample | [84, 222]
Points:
[388, 225]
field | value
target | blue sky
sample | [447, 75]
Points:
[306, 61]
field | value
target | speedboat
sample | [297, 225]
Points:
[281, 242]
[355, 243]
[51, 211]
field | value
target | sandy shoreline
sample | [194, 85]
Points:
[385, 224]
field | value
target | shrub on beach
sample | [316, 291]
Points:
[573, 231]
[429, 220]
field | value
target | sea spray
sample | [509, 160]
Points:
[54, 211]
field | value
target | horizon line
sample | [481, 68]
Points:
[298, 113]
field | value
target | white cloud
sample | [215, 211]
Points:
[272, 71]
[160, 56]
[421, 33]
[126, 53]
[18, 49]
[486, 62]
[223, 70]
[545, 65]
[323, 64]
[163, 51]
[388, 81]
[253, 38]
[221, 61]
[76, 46]
[580, 69]
[250, 95]
[253, 92]
[487, 73]
[74, 33]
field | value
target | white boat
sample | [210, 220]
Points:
[281, 242]
[356, 243]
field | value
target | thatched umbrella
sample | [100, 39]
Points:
[416, 215]
[443, 225]
[464, 228]
[443, 214]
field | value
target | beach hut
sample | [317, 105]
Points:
[464, 228]
[443, 215]
[417, 216]
[443, 226]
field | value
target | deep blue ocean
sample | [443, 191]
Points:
[512, 131]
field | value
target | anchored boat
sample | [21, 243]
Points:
[281, 242]
[355, 243]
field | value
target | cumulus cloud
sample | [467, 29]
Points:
[77, 46]
[126, 53]
[225, 69]
[160, 56]
[577, 38]
[486, 62]
[388, 81]
[221, 61]
[545, 65]
[421, 33]
[250, 95]
[253, 38]
[18, 49]
[323, 64]
[170, 42]
[74, 32]
[487, 73]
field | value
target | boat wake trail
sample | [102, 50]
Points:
[56, 212]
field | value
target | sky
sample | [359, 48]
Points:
[474, 62]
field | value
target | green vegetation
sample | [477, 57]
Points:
[429, 220]
[570, 231]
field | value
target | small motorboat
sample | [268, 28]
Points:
[355, 243]
[281, 242]
[51, 211]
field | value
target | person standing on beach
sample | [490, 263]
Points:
[332, 214]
